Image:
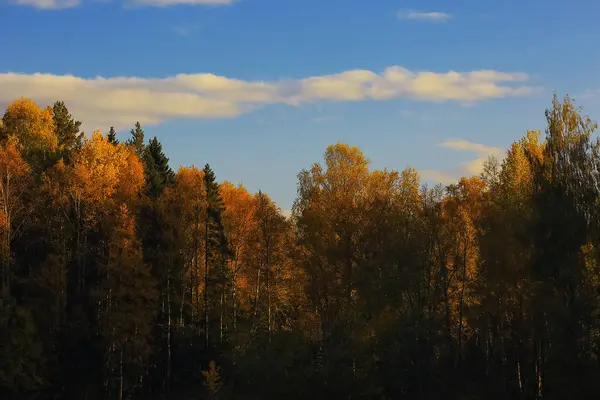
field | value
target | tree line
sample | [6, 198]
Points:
[123, 279]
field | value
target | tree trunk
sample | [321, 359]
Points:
[183, 289]
[5, 285]
[538, 371]
[169, 330]
[195, 276]
[268, 279]
[234, 294]
[206, 320]
[257, 292]
[461, 304]
[121, 376]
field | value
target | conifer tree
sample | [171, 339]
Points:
[158, 172]
[215, 248]
[137, 139]
[157, 244]
[112, 136]
[67, 129]
[375, 288]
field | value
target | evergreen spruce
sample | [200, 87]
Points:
[112, 136]
[67, 129]
[216, 253]
[157, 247]
[137, 139]
[159, 174]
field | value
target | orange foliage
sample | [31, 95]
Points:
[102, 169]
[14, 181]
[463, 208]
[184, 205]
[189, 184]
[126, 227]
[239, 223]
[102, 176]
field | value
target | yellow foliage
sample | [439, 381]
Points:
[101, 175]
[531, 143]
[517, 170]
[239, 223]
[189, 184]
[14, 181]
[185, 205]
[347, 170]
[462, 209]
[34, 127]
[131, 176]
[103, 170]
[409, 191]
[382, 184]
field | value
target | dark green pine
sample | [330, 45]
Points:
[158, 173]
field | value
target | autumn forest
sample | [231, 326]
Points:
[124, 279]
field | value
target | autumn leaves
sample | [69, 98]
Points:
[124, 278]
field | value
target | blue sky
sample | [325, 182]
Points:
[254, 87]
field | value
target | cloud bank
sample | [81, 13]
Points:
[469, 168]
[100, 102]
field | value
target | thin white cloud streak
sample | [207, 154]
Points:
[48, 4]
[120, 101]
[63, 4]
[589, 94]
[469, 168]
[325, 119]
[433, 16]
[168, 3]
[480, 149]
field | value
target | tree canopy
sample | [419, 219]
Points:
[123, 279]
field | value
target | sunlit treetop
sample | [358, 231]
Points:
[33, 126]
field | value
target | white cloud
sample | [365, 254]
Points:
[469, 168]
[120, 101]
[433, 16]
[49, 4]
[480, 149]
[440, 176]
